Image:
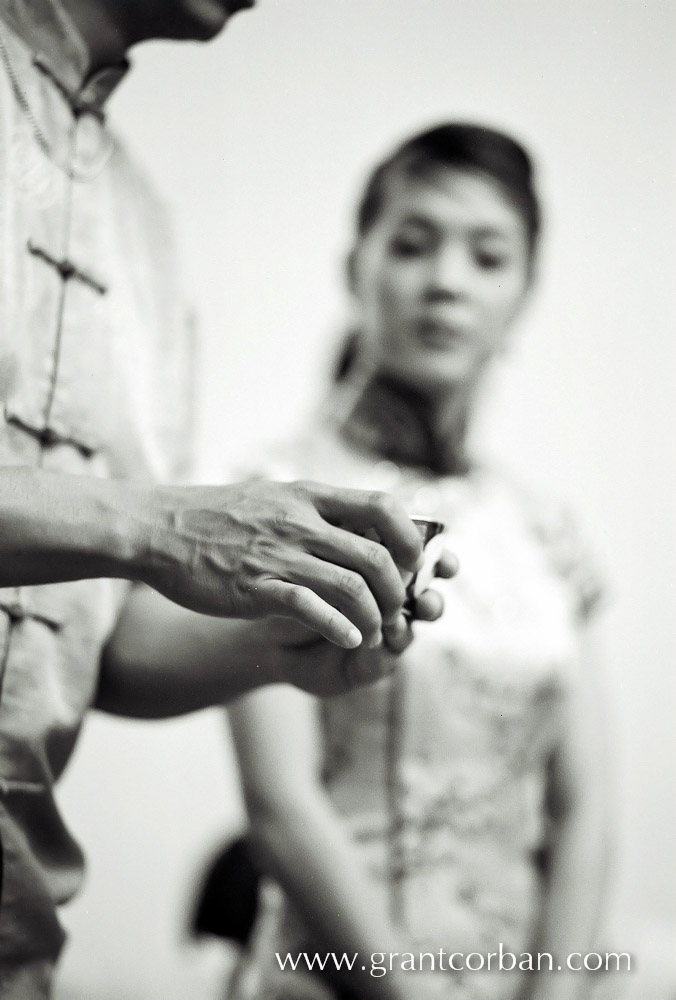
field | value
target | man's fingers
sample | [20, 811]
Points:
[308, 609]
[360, 510]
[447, 565]
[397, 634]
[369, 559]
[343, 589]
[429, 606]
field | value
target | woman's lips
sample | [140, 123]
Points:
[440, 332]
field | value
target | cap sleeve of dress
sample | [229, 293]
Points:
[300, 455]
[571, 558]
[278, 461]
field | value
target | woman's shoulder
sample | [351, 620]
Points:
[311, 451]
[556, 528]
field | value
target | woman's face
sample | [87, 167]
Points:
[439, 277]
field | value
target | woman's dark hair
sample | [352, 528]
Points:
[463, 146]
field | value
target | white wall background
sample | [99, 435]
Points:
[260, 141]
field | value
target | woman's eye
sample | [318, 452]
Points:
[490, 260]
[409, 246]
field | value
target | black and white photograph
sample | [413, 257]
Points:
[337, 490]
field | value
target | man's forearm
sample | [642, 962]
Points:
[241, 550]
[55, 528]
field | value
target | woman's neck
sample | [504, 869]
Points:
[401, 423]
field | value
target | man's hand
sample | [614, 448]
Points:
[309, 662]
[397, 635]
[287, 549]
[250, 550]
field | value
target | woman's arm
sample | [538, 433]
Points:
[579, 792]
[300, 841]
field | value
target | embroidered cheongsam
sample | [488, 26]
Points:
[438, 773]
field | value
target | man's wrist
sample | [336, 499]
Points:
[125, 541]
[153, 543]
[57, 527]
[142, 542]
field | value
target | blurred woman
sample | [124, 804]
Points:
[457, 809]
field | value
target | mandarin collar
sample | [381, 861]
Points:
[384, 417]
[60, 52]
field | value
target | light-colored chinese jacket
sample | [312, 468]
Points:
[94, 380]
